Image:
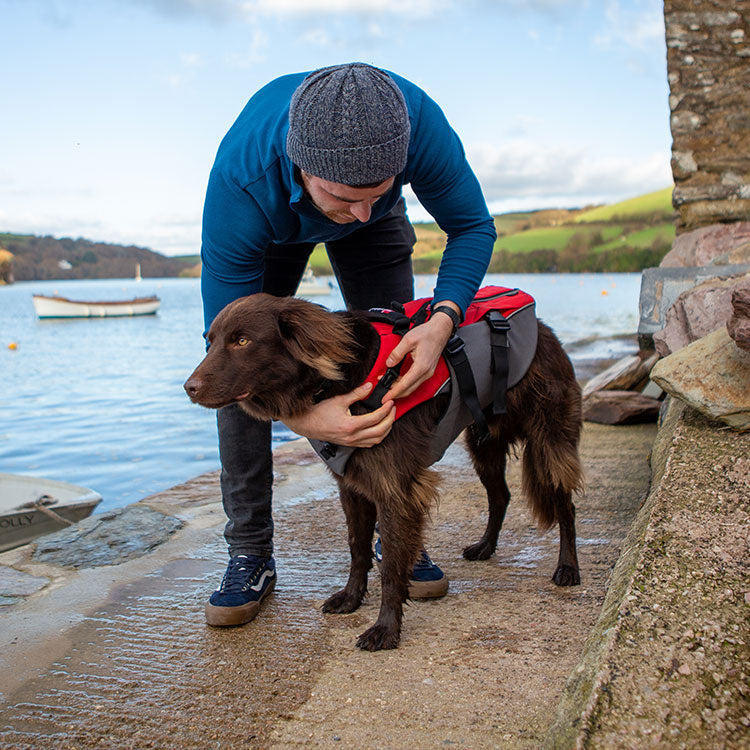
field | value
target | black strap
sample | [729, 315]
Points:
[455, 353]
[401, 323]
[375, 399]
[451, 313]
[328, 450]
[396, 318]
[499, 327]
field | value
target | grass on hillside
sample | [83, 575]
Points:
[664, 233]
[657, 204]
[629, 235]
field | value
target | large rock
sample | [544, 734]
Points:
[696, 313]
[738, 325]
[107, 538]
[712, 375]
[626, 374]
[620, 407]
[660, 288]
[15, 583]
[721, 244]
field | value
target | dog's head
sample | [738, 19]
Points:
[272, 355]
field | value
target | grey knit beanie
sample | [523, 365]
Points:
[349, 124]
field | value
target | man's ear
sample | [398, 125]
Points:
[317, 338]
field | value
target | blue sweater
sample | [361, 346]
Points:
[253, 199]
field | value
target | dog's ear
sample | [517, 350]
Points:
[318, 338]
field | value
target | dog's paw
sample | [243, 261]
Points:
[378, 637]
[479, 551]
[342, 602]
[565, 575]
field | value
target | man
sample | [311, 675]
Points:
[323, 158]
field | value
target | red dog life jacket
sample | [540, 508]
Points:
[491, 351]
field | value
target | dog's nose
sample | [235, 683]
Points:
[193, 386]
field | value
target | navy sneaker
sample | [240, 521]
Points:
[426, 581]
[247, 581]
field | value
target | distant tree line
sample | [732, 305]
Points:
[581, 256]
[41, 258]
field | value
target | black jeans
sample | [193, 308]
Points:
[373, 268]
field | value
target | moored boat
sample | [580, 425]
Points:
[32, 506]
[62, 307]
[310, 286]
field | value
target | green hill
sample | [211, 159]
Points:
[658, 204]
[36, 258]
[627, 236]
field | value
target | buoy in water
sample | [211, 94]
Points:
[13, 346]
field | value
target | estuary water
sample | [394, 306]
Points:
[99, 402]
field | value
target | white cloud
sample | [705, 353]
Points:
[639, 27]
[190, 59]
[252, 9]
[359, 7]
[256, 51]
[524, 175]
[318, 37]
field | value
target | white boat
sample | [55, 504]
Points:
[312, 287]
[62, 307]
[31, 507]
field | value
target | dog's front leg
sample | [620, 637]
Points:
[400, 539]
[360, 521]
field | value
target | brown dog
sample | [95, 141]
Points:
[277, 356]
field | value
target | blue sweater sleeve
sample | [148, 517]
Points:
[235, 236]
[448, 189]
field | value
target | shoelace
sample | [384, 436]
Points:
[239, 571]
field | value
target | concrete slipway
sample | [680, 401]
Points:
[650, 651]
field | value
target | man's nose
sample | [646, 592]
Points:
[361, 210]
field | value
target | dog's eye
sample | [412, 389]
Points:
[242, 341]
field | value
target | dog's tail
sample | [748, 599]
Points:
[551, 473]
[552, 468]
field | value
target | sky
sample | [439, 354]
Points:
[112, 110]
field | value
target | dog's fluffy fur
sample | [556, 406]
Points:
[277, 356]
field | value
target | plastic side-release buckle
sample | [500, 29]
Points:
[328, 451]
[455, 345]
[497, 321]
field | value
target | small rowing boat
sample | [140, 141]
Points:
[31, 507]
[310, 286]
[62, 307]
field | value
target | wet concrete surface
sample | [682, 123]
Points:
[120, 656]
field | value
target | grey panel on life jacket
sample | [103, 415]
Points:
[337, 462]
[522, 338]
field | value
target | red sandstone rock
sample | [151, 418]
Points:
[720, 244]
[696, 313]
[738, 326]
[620, 407]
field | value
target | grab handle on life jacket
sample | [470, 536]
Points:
[499, 328]
[455, 354]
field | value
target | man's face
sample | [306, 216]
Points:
[342, 203]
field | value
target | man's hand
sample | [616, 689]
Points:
[331, 420]
[425, 343]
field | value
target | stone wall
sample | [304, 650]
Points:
[708, 60]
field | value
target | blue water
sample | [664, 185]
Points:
[100, 403]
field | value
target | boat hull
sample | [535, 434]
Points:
[60, 307]
[21, 521]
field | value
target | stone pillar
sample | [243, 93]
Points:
[708, 62]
